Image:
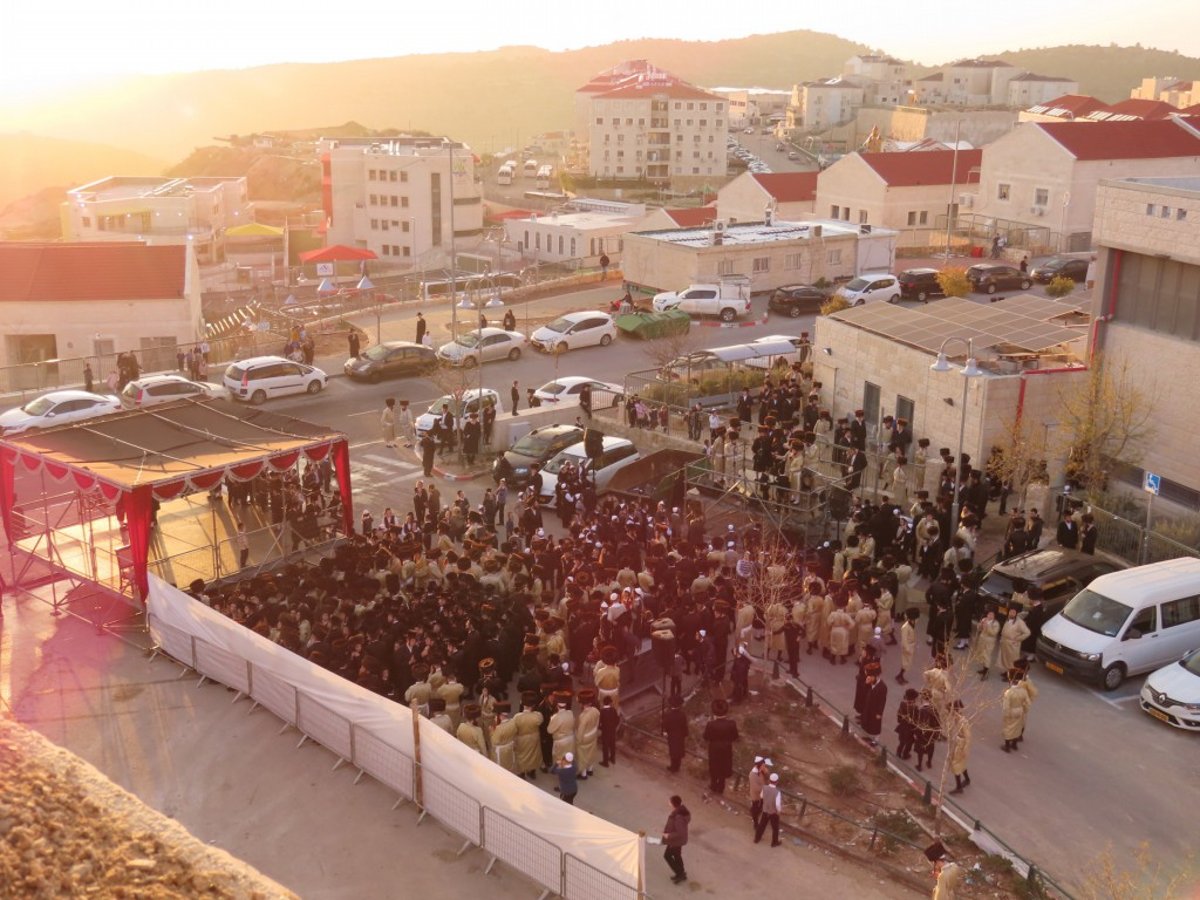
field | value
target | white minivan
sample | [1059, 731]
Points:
[256, 379]
[1126, 623]
[869, 288]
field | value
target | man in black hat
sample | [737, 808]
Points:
[610, 720]
[858, 430]
[421, 327]
[675, 727]
[471, 433]
[721, 733]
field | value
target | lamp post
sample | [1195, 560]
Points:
[968, 371]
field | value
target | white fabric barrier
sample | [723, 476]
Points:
[592, 841]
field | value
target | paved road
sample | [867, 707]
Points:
[763, 146]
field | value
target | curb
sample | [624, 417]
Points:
[750, 324]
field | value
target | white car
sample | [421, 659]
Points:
[1172, 693]
[153, 389]
[618, 452]
[254, 380]
[57, 408]
[567, 388]
[482, 345]
[574, 330]
[470, 403]
[868, 288]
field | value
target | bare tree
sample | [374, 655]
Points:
[1022, 457]
[1136, 876]
[1106, 420]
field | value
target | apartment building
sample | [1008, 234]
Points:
[819, 105]
[885, 80]
[1045, 174]
[643, 123]
[584, 231]
[1147, 308]
[978, 82]
[1179, 94]
[158, 211]
[401, 197]
[753, 106]
[1029, 89]
[91, 299]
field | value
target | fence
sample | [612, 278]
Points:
[377, 737]
[805, 806]
[1135, 543]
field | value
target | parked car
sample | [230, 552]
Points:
[868, 288]
[1172, 694]
[575, 330]
[728, 299]
[1059, 572]
[992, 277]
[538, 446]
[792, 154]
[260, 377]
[151, 389]
[795, 300]
[482, 345]
[618, 452]
[473, 400]
[920, 284]
[1060, 267]
[57, 408]
[604, 393]
[391, 359]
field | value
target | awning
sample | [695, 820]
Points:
[253, 229]
[337, 253]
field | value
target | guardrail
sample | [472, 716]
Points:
[555, 869]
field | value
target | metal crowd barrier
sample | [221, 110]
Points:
[504, 840]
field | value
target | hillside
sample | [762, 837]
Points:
[268, 177]
[31, 162]
[491, 99]
[1109, 73]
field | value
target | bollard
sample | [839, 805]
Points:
[775, 670]
[883, 757]
[874, 835]
[1032, 877]
[803, 808]
[928, 798]
[845, 724]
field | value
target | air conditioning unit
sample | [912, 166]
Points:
[719, 226]
[966, 200]
[817, 231]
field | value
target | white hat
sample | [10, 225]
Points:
[878, 630]
[730, 527]
[731, 545]
[569, 757]
[703, 633]
[774, 777]
[768, 762]
[614, 596]
[674, 509]
[566, 667]
[541, 532]
[757, 760]
[603, 605]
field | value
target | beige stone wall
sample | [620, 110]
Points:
[1122, 221]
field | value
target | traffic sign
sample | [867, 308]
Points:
[1151, 483]
[325, 269]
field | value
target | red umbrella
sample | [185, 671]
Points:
[337, 253]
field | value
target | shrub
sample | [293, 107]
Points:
[844, 780]
[954, 282]
[1060, 286]
[836, 303]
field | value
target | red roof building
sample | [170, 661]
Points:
[905, 169]
[1134, 109]
[1132, 139]
[789, 187]
[692, 217]
[1066, 108]
[76, 301]
[790, 195]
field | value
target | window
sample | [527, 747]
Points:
[383, 225]
[1146, 622]
[689, 122]
[387, 249]
[691, 106]
[1166, 212]
[629, 121]
[703, 106]
[403, 203]
[923, 218]
[835, 211]
[371, 173]
[678, 105]
[404, 226]
[599, 121]
[845, 214]
[620, 138]
[834, 257]
[1180, 215]
[704, 123]
[392, 175]
[862, 217]
[761, 264]
[725, 267]
[793, 261]
[1180, 612]
[904, 408]
[1003, 191]
[395, 201]
[695, 170]
[87, 221]
[560, 245]
[373, 200]
[374, 224]
[1041, 196]
[912, 218]
[616, 123]
[678, 122]
[407, 251]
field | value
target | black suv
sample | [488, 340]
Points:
[920, 284]
[1060, 267]
[797, 299]
[992, 277]
[1060, 573]
[539, 446]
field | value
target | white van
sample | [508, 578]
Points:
[1126, 623]
[869, 288]
[254, 380]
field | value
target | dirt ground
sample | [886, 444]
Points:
[854, 804]
[67, 831]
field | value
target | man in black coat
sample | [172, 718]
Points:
[858, 430]
[1037, 616]
[675, 726]
[721, 732]
[874, 700]
[428, 448]
[1088, 534]
[421, 328]
[354, 344]
[855, 466]
[610, 720]
[740, 675]
[472, 431]
[1067, 534]
[514, 394]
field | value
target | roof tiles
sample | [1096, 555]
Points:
[903, 169]
[36, 272]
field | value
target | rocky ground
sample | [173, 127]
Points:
[67, 831]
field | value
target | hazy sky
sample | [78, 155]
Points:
[46, 44]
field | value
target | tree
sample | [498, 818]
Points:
[1105, 420]
[1060, 286]
[1022, 457]
[834, 304]
[954, 282]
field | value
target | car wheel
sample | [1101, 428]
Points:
[895, 298]
[794, 312]
[1114, 675]
[923, 296]
[373, 378]
[314, 386]
[469, 362]
[514, 353]
[859, 302]
[561, 347]
[991, 288]
[605, 340]
[728, 314]
[258, 397]
[1026, 284]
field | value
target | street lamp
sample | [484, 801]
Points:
[968, 371]
[366, 288]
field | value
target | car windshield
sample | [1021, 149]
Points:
[556, 464]
[559, 325]
[235, 372]
[1055, 261]
[997, 584]
[553, 388]
[856, 284]
[38, 407]
[1097, 613]
[377, 353]
[532, 444]
[435, 407]
[1192, 663]
[468, 340]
